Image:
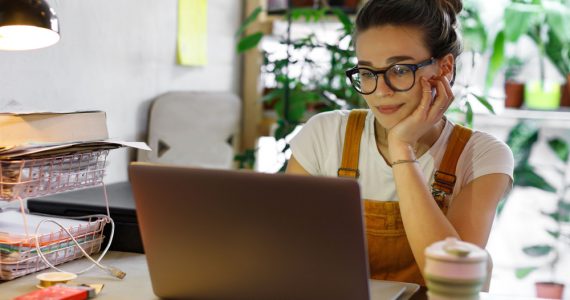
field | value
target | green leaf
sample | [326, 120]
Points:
[473, 29]
[469, 114]
[562, 214]
[558, 19]
[524, 175]
[276, 93]
[519, 17]
[284, 129]
[344, 19]
[521, 140]
[554, 234]
[538, 250]
[564, 211]
[297, 106]
[249, 42]
[501, 206]
[496, 61]
[246, 160]
[560, 148]
[521, 273]
[485, 103]
[310, 14]
[250, 19]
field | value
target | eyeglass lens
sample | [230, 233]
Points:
[397, 77]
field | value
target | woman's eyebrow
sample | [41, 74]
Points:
[395, 59]
[365, 63]
[389, 61]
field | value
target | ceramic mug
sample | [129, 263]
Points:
[455, 270]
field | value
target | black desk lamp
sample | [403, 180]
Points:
[27, 24]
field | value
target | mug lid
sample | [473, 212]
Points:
[452, 249]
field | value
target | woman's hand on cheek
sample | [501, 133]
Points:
[429, 111]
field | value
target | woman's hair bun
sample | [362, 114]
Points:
[451, 6]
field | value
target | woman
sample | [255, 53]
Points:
[423, 178]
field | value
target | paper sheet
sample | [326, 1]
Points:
[12, 225]
[192, 32]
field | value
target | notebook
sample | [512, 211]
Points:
[220, 234]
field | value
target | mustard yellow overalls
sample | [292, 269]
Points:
[389, 253]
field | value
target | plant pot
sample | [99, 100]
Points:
[549, 290]
[514, 94]
[545, 95]
[565, 91]
[303, 3]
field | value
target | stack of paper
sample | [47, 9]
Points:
[49, 152]
[18, 253]
[46, 134]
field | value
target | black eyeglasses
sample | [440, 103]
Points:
[398, 77]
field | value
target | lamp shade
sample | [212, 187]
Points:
[27, 24]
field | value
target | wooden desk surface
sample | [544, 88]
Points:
[136, 285]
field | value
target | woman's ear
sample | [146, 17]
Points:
[446, 65]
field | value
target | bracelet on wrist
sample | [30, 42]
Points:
[404, 161]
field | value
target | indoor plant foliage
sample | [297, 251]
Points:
[546, 22]
[321, 86]
[475, 41]
[522, 139]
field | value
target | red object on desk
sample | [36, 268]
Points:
[55, 293]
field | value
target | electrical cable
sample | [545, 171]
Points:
[110, 269]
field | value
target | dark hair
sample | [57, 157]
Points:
[436, 18]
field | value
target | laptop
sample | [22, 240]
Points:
[222, 234]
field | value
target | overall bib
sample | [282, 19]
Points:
[389, 253]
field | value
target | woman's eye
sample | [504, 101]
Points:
[366, 74]
[400, 70]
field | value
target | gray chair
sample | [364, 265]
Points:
[193, 129]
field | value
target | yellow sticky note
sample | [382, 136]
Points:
[192, 32]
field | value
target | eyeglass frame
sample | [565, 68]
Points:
[413, 67]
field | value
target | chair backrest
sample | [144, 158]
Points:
[193, 129]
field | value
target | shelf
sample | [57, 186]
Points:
[559, 119]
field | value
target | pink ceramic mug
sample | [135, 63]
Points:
[455, 269]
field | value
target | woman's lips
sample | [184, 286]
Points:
[388, 109]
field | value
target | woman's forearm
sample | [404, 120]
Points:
[423, 220]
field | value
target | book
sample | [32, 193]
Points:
[52, 127]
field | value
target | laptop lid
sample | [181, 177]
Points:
[219, 234]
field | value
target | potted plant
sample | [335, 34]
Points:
[547, 23]
[514, 88]
[557, 49]
[521, 139]
[320, 86]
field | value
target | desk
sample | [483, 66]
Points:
[136, 285]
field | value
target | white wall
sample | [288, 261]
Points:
[117, 56]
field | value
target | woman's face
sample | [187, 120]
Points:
[380, 47]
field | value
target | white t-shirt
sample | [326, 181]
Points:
[318, 148]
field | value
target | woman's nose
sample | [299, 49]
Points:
[382, 88]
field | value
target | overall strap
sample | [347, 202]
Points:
[444, 177]
[351, 147]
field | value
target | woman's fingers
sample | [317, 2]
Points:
[427, 98]
[443, 98]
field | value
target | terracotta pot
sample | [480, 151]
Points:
[565, 93]
[302, 3]
[549, 290]
[514, 94]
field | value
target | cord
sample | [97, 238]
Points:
[110, 269]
